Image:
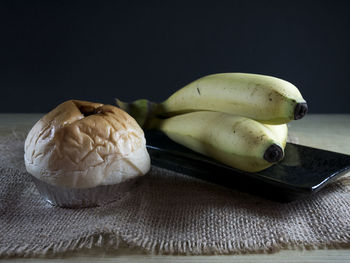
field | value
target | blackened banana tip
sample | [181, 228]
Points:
[273, 154]
[300, 110]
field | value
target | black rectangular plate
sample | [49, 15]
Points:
[302, 172]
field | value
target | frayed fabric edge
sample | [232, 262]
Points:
[111, 242]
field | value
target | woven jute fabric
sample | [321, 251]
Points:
[166, 212]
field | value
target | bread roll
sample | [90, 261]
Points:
[81, 144]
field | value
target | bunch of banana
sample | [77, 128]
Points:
[236, 118]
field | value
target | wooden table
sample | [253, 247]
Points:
[326, 131]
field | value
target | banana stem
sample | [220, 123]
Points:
[141, 110]
[154, 123]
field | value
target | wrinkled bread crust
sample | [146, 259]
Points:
[82, 144]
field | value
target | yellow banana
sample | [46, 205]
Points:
[233, 140]
[264, 98]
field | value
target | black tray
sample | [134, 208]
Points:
[302, 172]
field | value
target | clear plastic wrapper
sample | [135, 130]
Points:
[82, 197]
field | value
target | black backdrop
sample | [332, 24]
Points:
[51, 51]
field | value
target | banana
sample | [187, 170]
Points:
[141, 110]
[264, 98]
[236, 141]
[280, 133]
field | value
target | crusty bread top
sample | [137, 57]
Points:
[78, 135]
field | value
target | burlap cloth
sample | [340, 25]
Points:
[167, 212]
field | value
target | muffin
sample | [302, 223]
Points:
[85, 154]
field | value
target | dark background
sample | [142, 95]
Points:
[52, 51]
